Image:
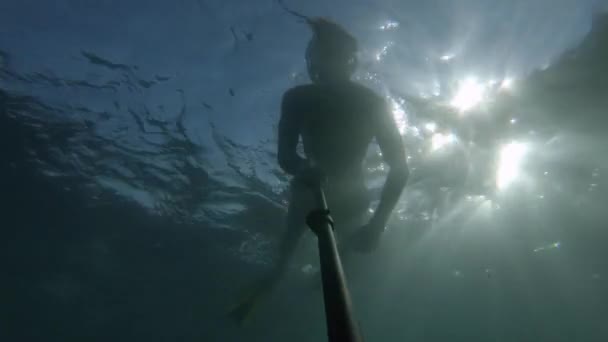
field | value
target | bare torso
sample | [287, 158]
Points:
[337, 125]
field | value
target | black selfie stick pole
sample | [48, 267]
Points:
[339, 316]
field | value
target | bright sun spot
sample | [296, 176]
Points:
[399, 115]
[446, 58]
[380, 55]
[389, 25]
[469, 94]
[440, 140]
[430, 126]
[511, 157]
[506, 84]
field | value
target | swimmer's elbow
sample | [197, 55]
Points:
[284, 163]
[289, 163]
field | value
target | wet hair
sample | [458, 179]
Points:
[330, 42]
[331, 37]
[332, 51]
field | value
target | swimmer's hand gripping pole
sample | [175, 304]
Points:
[338, 306]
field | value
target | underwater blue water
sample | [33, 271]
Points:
[141, 191]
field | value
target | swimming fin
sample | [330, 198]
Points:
[243, 310]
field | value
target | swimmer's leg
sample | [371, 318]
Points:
[295, 226]
[344, 230]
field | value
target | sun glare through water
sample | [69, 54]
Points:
[509, 165]
[398, 114]
[440, 140]
[430, 126]
[469, 94]
[507, 84]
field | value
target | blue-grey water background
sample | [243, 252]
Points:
[140, 191]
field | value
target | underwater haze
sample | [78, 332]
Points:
[141, 193]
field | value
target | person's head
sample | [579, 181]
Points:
[331, 53]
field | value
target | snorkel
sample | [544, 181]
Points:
[331, 54]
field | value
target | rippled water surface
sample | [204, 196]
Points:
[141, 189]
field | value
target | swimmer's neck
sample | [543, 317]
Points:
[333, 82]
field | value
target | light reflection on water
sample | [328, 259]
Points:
[508, 187]
[509, 165]
[469, 94]
[440, 140]
[554, 245]
[500, 170]
[466, 142]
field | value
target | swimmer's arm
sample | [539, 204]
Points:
[393, 152]
[289, 135]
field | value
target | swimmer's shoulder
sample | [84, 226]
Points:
[370, 104]
[365, 94]
[296, 100]
[362, 96]
[300, 93]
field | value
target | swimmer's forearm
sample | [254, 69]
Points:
[292, 163]
[395, 183]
